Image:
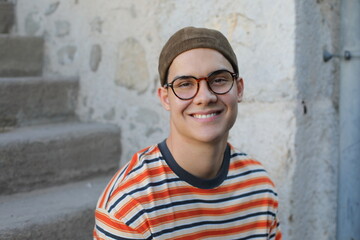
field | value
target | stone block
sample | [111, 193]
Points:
[21, 56]
[63, 212]
[29, 100]
[40, 156]
[7, 16]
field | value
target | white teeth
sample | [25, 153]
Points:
[204, 116]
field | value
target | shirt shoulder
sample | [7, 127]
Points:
[131, 176]
[244, 165]
[243, 159]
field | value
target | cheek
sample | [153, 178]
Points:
[177, 106]
[233, 107]
[233, 115]
[231, 99]
[232, 104]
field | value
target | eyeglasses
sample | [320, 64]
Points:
[186, 87]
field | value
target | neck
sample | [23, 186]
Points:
[202, 160]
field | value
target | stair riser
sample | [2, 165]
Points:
[31, 165]
[60, 212]
[7, 16]
[21, 56]
[78, 225]
[25, 101]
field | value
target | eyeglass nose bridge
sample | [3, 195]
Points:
[198, 80]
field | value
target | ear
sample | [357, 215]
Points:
[240, 88]
[164, 97]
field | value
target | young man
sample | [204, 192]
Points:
[194, 184]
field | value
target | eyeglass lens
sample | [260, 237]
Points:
[186, 87]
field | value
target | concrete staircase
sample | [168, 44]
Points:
[52, 167]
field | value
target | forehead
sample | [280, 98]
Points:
[198, 62]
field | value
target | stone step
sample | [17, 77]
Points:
[62, 212]
[25, 100]
[40, 156]
[21, 56]
[7, 16]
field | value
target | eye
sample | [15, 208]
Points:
[219, 80]
[184, 83]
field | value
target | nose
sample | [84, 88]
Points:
[204, 94]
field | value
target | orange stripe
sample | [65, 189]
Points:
[118, 225]
[153, 172]
[185, 190]
[225, 231]
[244, 163]
[188, 214]
[131, 165]
[152, 151]
[107, 189]
[178, 191]
[130, 205]
[274, 229]
[126, 208]
[111, 182]
[97, 237]
[248, 183]
[135, 159]
[222, 211]
[144, 227]
[112, 223]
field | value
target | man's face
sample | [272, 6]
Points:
[207, 117]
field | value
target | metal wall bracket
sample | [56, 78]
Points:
[347, 55]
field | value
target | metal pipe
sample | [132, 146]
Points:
[348, 214]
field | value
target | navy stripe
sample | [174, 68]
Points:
[274, 234]
[154, 184]
[179, 203]
[114, 184]
[135, 169]
[246, 173]
[144, 152]
[148, 161]
[265, 235]
[238, 154]
[118, 237]
[197, 224]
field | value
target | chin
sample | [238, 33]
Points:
[212, 138]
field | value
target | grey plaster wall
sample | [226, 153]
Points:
[314, 185]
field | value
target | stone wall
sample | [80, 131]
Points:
[288, 119]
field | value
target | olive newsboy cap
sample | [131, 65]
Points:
[189, 38]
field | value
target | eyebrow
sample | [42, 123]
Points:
[187, 76]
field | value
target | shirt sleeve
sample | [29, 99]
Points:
[275, 233]
[108, 227]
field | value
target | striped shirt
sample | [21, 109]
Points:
[152, 197]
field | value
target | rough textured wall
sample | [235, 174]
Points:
[113, 46]
[314, 184]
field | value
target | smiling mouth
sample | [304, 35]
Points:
[203, 116]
